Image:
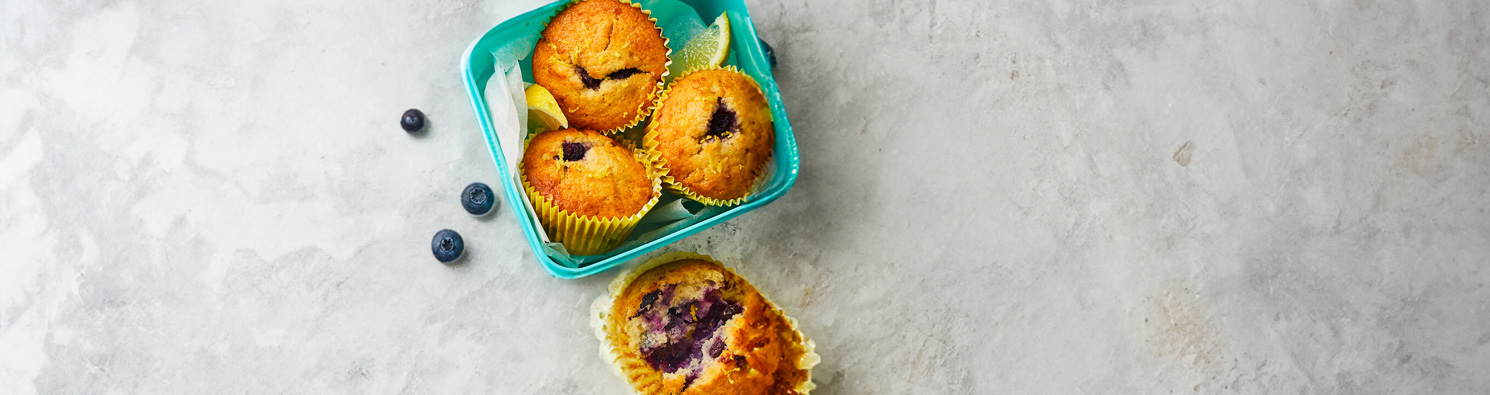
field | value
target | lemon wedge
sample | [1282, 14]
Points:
[544, 109]
[707, 49]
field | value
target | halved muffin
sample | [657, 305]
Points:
[687, 325]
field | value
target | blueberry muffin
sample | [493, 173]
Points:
[588, 190]
[713, 134]
[691, 326]
[604, 61]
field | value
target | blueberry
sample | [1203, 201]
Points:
[716, 349]
[770, 52]
[412, 121]
[647, 301]
[593, 83]
[623, 73]
[697, 323]
[477, 199]
[447, 246]
[584, 78]
[670, 357]
[716, 318]
[574, 151]
[722, 122]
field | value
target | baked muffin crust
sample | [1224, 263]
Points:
[603, 61]
[587, 173]
[714, 131]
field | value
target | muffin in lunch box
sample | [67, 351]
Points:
[588, 190]
[604, 61]
[687, 325]
[712, 135]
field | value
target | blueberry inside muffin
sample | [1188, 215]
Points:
[603, 61]
[693, 327]
[678, 336]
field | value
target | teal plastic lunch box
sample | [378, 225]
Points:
[746, 54]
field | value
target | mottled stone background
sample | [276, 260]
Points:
[1025, 197]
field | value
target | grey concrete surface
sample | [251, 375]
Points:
[995, 197]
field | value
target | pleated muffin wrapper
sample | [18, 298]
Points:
[583, 234]
[600, 316]
[654, 98]
[649, 143]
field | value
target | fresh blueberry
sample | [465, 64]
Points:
[477, 199]
[770, 52]
[412, 121]
[447, 246]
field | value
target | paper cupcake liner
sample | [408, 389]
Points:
[583, 234]
[685, 73]
[644, 110]
[649, 143]
[600, 315]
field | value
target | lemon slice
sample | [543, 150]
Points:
[543, 108]
[707, 49]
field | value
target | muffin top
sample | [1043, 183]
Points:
[698, 328]
[714, 130]
[586, 173]
[603, 60]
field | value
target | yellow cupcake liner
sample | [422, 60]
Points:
[600, 315]
[652, 98]
[726, 67]
[649, 143]
[584, 234]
